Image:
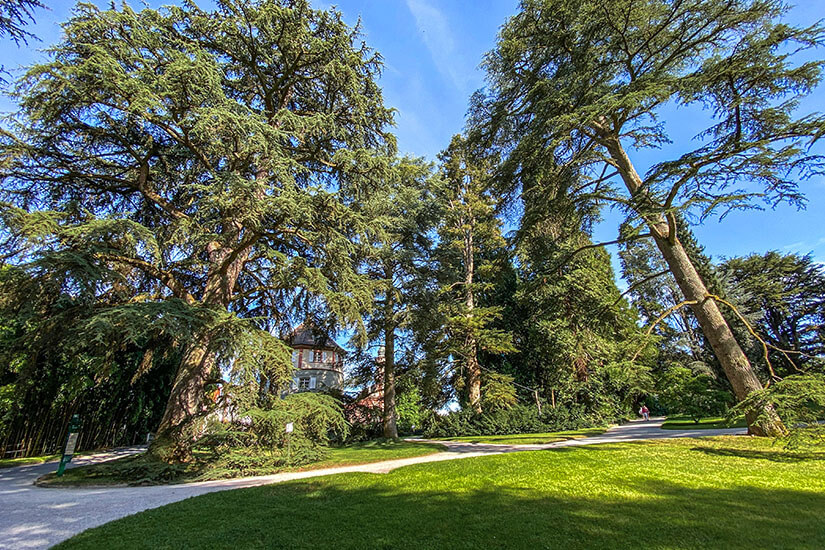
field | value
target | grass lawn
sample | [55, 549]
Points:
[137, 470]
[526, 439]
[727, 492]
[712, 423]
[9, 462]
[28, 461]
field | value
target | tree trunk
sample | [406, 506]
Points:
[714, 326]
[727, 350]
[186, 399]
[470, 343]
[390, 413]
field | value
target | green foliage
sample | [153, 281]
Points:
[576, 87]
[800, 400]
[411, 411]
[199, 163]
[570, 86]
[58, 358]
[406, 212]
[787, 293]
[694, 394]
[575, 333]
[654, 291]
[498, 392]
[461, 324]
[470, 251]
[519, 419]
[255, 441]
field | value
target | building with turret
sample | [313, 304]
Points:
[318, 360]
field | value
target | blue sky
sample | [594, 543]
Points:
[432, 50]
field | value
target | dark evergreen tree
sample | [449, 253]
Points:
[787, 294]
[575, 335]
[211, 159]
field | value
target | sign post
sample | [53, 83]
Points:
[290, 427]
[71, 443]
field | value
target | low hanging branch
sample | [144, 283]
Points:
[669, 311]
[765, 345]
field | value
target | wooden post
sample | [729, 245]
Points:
[553, 397]
[538, 403]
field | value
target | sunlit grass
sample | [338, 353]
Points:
[9, 462]
[710, 423]
[729, 492]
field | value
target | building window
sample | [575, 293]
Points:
[295, 357]
[317, 356]
[303, 383]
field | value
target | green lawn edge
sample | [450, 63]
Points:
[27, 461]
[107, 474]
[528, 438]
[42, 459]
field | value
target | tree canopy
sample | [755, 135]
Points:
[210, 159]
[577, 85]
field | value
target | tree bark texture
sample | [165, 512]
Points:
[390, 419]
[735, 363]
[470, 343]
[186, 400]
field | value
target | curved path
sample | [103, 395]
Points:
[36, 517]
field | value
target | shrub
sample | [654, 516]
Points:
[411, 412]
[257, 442]
[693, 394]
[515, 420]
[800, 402]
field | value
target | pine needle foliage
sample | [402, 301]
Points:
[208, 160]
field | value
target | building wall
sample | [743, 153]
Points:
[326, 373]
[324, 379]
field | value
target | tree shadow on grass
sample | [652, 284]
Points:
[778, 454]
[426, 510]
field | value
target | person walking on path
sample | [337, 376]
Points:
[645, 412]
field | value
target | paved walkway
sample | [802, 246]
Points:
[35, 517]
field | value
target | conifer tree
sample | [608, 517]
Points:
[397, 263]
[468, 228]
[575, 333]
[582, 84]
[787, 292]
[211, 160]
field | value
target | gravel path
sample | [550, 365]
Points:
[35, 517]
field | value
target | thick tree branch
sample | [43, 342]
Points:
[167, 278]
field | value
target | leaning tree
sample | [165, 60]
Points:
[213, 161]
[579, 86]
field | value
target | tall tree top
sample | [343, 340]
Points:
[578, 77]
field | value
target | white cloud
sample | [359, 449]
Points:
[804, 247]
[435, 31]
